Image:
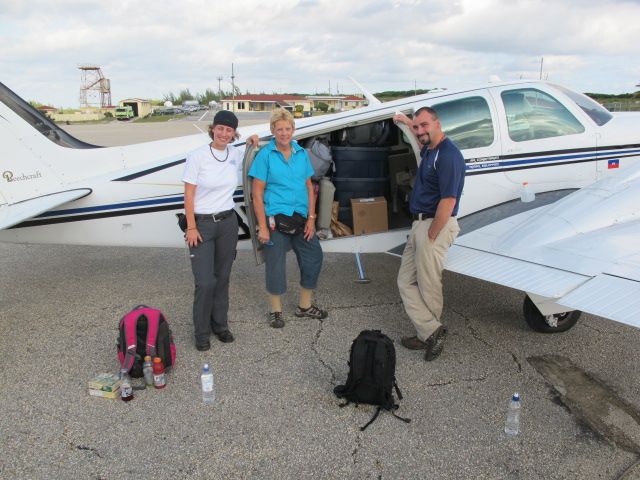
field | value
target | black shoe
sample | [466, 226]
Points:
[413, 343]
[435, 344]
[276, 320]
[311, 312]
[225, 336]
[204, 346]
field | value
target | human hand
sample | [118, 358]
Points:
[264, 236]
[192, 237]
[309, 228]
[402, 118]
[253, 140]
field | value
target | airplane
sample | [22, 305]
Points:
[58, 189]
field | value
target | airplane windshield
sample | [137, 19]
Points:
[596, 112]
[39, 121]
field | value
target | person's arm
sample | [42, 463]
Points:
[442, 216]
[310, 225]
[191, 235]
[257, 192]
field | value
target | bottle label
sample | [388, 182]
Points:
[159, 379]
[207, 385]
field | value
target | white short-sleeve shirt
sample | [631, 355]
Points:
[215, 180]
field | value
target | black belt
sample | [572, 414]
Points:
[421, 216]
[216, 217]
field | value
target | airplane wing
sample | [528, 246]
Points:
[582, 251]
[15, 213]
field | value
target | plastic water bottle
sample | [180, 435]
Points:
[512, 425]
[208, 389]
[147, 370]
[527, 194]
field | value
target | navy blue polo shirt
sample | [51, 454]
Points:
[286, 189]
[440, 175]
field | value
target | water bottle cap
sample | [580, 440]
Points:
[516, 397]
[205, 367]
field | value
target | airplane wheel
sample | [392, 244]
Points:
[559, 322]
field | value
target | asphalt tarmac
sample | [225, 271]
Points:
[275, 416]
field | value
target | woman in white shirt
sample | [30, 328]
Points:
[210, 179]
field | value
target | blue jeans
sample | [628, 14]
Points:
[308, 254]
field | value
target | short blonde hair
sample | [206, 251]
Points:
[281, 114]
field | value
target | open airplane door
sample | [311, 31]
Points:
[249, 155]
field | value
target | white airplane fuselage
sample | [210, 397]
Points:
[136, 190]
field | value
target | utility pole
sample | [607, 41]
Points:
[219, 89]
[233, 88]
[541, 62]
[415, 88]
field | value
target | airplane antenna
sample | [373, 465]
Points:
[93, 83]
[233, 89]
[367, 94]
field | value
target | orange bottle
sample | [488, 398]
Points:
[159, 378]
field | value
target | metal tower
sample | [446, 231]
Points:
[93, 84]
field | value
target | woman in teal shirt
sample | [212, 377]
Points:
[283, 195]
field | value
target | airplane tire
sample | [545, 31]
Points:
[538, 322]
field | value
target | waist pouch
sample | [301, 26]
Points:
[290, 225]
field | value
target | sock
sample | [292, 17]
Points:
[305, 299]
[276, 303]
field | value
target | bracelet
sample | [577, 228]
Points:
[192, 228]
[312, 216]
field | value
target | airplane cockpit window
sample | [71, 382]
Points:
[39, 121]
[532, 115]
[467, 122]
[596, 112]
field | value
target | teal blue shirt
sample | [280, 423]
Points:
[286, 189]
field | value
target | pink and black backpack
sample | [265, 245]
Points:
[144, 331]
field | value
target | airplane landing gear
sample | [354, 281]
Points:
[552, 323]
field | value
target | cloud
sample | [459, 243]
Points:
[150, 48]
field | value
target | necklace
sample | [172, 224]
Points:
[226, 149]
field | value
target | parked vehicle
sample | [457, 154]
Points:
[124, 113]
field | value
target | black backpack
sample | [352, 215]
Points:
[372, 374]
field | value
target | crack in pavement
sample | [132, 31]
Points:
[354, 454]
[367, 305]
[314, 347]
[476, 335]
[452, 382]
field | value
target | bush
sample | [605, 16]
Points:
[323, 107]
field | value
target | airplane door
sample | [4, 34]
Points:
[546, 142]
[249, 156]
[410, 138]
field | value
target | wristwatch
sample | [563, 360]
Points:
[312, 216]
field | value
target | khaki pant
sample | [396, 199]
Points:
[420, 275]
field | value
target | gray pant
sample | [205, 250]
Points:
[211, 263]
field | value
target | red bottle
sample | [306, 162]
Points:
[159, 378]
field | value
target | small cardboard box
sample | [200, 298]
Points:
[369, 215]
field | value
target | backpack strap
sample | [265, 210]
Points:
[395, 385]
[153, 323]
[373, 419]
[129, 323]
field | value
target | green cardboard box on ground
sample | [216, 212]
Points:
[369, 215]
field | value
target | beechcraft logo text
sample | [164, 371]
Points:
[10, 177]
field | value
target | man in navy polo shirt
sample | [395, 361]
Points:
[434, 205]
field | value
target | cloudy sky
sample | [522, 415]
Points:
[150, 48]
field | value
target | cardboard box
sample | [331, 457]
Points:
[369, 215]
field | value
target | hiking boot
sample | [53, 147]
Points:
[225, 336]
[435, 344]
[276, 320]
[311, 312]
[203, 346]
[413, 343]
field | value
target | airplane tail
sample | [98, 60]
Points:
[37, 161]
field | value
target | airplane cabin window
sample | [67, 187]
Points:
[467, 122]
[532, 115]
[596, 112]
